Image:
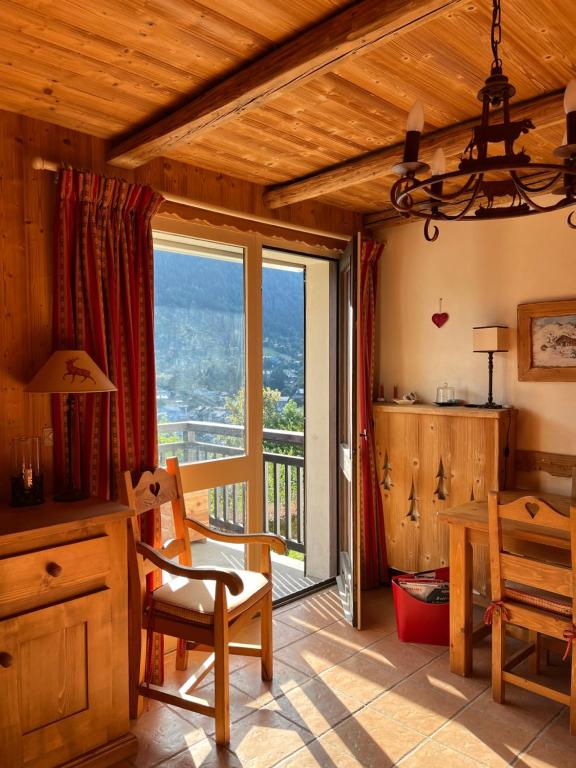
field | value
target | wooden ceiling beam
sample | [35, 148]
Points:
[318, 49]
[544, 110]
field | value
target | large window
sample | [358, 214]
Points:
[200, 348]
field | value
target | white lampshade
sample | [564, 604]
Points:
[491, 338]
[415, 120]
[570, 97]
[69, 371]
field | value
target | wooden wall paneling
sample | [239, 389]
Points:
[241, 195]
[14, 275]
[38, 215]
[555, 464]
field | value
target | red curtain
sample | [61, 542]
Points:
[374, 560]
[104, 304]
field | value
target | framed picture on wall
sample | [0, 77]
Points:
[547, 341]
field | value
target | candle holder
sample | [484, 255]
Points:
[26, 478]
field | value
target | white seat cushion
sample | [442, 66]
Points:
[194, 600]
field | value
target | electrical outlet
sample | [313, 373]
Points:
[47, 437]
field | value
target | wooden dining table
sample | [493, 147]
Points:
[469, 525]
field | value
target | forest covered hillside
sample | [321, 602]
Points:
[199, 333]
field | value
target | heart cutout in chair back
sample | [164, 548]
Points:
[154, 488]
[532, 509]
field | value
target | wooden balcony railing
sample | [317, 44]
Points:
[283, 475]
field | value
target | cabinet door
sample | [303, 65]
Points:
[55, 682]
[398, 466]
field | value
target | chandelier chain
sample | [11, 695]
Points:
[496, 34]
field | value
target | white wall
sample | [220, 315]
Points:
[482, 271]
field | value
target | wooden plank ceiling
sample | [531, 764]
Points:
[126, 64]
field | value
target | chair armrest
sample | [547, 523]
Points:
[271, 540]
[229, 578]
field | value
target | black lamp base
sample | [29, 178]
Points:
[72, 494]
[489, 404]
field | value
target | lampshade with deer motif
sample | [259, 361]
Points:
[70, 371]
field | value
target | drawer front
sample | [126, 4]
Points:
[51, 573]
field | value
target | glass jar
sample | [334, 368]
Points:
[445, 394]
[26, 478]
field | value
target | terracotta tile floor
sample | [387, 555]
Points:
[341, 698]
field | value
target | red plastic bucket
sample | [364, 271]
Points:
[417, 621]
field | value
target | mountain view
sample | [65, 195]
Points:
[199, 336]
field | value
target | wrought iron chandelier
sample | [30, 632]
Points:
[481, 187]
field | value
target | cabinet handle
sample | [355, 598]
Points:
[6, 660]
[53, 569]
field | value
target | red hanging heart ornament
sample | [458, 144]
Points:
[440, 318]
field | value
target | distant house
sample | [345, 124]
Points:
[565, 341]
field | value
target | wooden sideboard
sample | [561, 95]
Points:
[64, 636]
[430, 459]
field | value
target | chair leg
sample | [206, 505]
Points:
[573, 693]
[136, 672]
[266, 638]
[534, 639]
[498, 650]
[181, 655]
[221, 681]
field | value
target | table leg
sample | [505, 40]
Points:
[460, 601]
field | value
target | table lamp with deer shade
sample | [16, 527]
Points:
[70, 372]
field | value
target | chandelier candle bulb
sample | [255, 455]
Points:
[414, 127]
[570, 97]
[438, 164]
[437, 168]
[415, 121]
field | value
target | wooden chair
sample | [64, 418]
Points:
[537, 595]
[205, 607]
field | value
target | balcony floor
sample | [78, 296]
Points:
[287, 573]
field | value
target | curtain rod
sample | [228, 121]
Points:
[39, 164]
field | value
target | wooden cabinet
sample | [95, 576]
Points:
[430, 459]
[64, 636]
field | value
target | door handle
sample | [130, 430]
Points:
[363, 434]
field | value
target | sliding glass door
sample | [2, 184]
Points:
[208, 339]
[246, 395]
